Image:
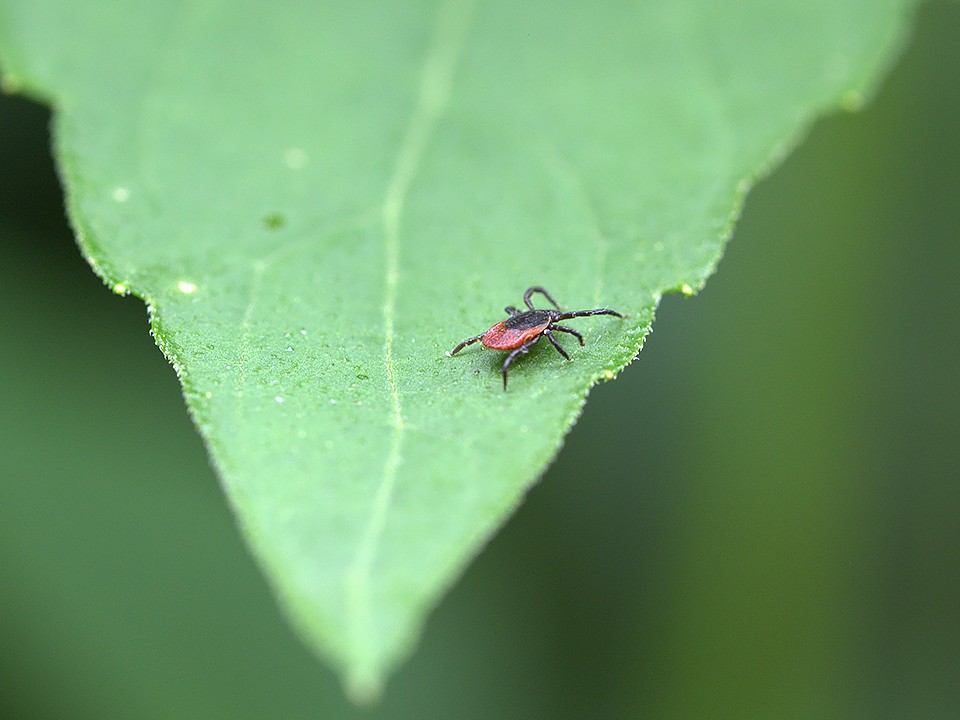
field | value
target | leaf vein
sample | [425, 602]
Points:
[435, 85]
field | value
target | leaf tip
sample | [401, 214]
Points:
[363, 687]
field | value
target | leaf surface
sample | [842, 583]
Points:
[317, 200]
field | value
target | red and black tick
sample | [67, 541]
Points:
[522, 330]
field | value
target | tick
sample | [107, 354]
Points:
[522, 330]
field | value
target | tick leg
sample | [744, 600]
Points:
[462, 345]
[537, 289]
[511, 310]
[564, 328]
[523, 349]
[586, 313]
[552, 339]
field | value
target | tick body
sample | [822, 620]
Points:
[522, 330]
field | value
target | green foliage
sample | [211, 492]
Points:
[317, 201]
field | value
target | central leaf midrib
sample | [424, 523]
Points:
[435, 83]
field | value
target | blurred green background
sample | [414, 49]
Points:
[759, 519]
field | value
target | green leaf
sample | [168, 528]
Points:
[317, 201]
